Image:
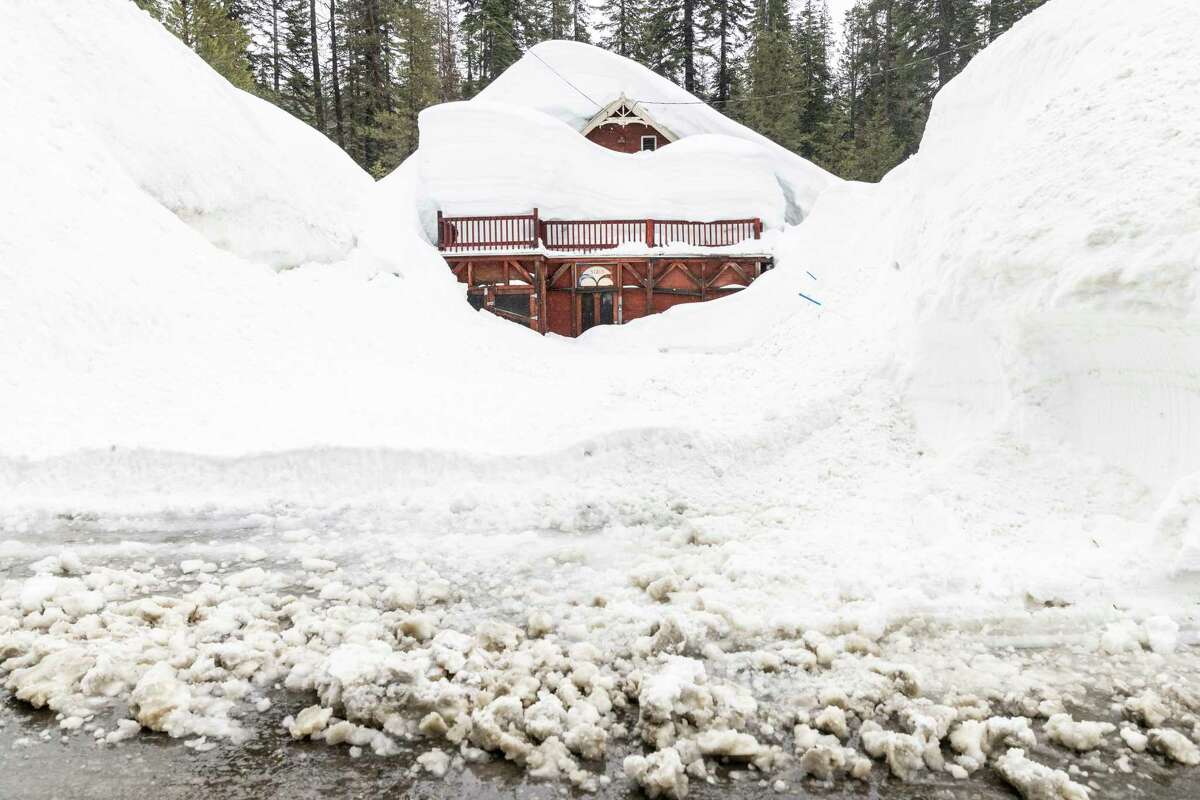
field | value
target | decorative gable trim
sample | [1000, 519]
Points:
[624, 111]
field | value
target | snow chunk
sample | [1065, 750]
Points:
[309, 722]
[1081, 736]
[126, 729]
[1036, 781]
[435, 762]
[1174, 745]
[730, 744]
[159, 697]
[1162, 634]
[904, 753]
[660, 774]
[1135, 739]
[832, 720]
[1148, 709]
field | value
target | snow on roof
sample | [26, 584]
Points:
[484, 158]
[572, 82]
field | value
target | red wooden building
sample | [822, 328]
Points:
[566, 276]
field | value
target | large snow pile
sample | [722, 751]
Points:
[1050, 240]
[234, 168]
[572, 82]
[490, 158]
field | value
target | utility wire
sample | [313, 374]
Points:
[800, 91]
[562, 77]
[496, 26]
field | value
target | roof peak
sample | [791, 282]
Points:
[625, 111]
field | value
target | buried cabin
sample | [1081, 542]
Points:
[565, 275]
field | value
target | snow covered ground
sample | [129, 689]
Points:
[901, 533]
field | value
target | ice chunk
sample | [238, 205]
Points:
[310, 721]
[434, 762]
[1148, 709]
[1036, 781]
[158, 696]
[1162, 634]
[660, 774]
[832, 720]
[1174, 745]
[1081, 736]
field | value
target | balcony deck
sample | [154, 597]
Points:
[528, 233]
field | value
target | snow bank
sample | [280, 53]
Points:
[489, 158]
[603, 76]
[150, 115]
[1048, 260]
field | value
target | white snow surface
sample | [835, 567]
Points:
[571, 82]
[339, 478]
[480, 158]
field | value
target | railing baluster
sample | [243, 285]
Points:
[527, 230]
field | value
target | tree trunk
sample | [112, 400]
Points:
[275, 42]
[184, 23]
[723, 67]
[337, 89]
[689, 45]
[318, 101]
[945, 58]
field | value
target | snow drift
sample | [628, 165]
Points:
[490, 158]
[1048, 248]
[234, 168]
[571, 82]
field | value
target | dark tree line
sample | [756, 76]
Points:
[854, 100]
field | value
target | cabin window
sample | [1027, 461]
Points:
[649, 142]
[513, 303]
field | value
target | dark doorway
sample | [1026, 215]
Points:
[596, 308]
[587, 311]
[606, 308]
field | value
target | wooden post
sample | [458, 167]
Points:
[439, 235]
[543, 322]
[757, 228]
[649, 233]
[537, 230]
[649, 287]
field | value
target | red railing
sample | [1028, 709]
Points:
[487, 233]
[526, 231]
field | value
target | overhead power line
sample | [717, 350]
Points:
[801, 91]
[496, 26]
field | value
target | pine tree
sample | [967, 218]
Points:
[490, 29]
[580, 12]
[296, 89]
[668, 42]
[815, 80]
[417, 86]
[369, 85]
[723, 22]
[770, 104]
[335, 75]
[621, 26]
[210, 28]
[1001, 14]
[448, 79]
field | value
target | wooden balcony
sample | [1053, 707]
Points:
[524, 232]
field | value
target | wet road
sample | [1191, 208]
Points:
[271, 765]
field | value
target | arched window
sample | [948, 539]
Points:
[595, 276]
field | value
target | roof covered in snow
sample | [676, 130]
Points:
[573, 84]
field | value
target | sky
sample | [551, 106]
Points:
[837, 12]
